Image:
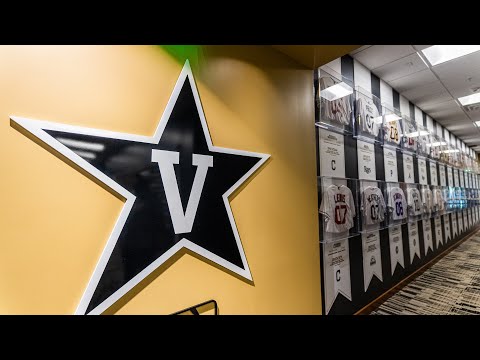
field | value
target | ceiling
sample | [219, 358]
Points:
[434, 89]
[314, 56]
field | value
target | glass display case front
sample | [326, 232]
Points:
[334, 102]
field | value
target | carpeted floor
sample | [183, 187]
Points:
[451, 286]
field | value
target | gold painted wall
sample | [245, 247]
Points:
[54, 221]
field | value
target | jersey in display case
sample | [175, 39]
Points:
[338, 208]
[334, 99]
[373, 205]
[368, 117]
[397, 203]
[409, 137]
[414, 201]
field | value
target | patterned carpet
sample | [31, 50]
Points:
[450, 287]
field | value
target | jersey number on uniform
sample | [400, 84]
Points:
[399, 208]
[393, 133]
[340, 212]
[374, 212]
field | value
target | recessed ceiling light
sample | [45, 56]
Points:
[477, 123]
[336, 91]
[438, 54]
[469, 99]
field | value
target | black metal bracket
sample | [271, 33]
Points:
[194, 309]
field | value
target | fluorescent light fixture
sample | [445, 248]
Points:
[336, 91]
[469, 99]
[82, 144]
[85, 154]
[392, 117]
[437, 144]
[416, 133]
[450, 151]
[438, 54]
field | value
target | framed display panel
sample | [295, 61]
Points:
[456, 157]
[427, 201]
[396, 199]
[438, 200]
[334, 101]
[463, 198]
[449, 196]
[409, 135]
[392, 127]
[423, 139]
[435, 145]
[339, 210]
[443, 153]
[414, 202]
[368, 124]
[373, 206]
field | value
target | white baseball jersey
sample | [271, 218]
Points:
[397, 203]
[427, 200]
[373, 205]
[338, 208]
[392, 132]
[422, 144]
[367, 115]
[338, 110]
[409, 142]
[438, 202]
[414, 201]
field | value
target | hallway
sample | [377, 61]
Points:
[451, 286]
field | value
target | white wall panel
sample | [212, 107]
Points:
[430, 125]
[386, 93]
[335, 65]
[404, 107]
[362, 75]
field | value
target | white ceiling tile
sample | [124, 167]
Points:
[402, 67]
[421, 91]
[378, 55]
[414, 80]
[473, 111]
[432, 99]
[421, 47]
[361, 48]
[454, 73]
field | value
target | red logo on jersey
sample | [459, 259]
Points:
[340, 214]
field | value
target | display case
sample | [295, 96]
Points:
[396, 199]
[368, 124]
[435, 146]
[438, 200]
[443, 149]
[449, 196]
[409, 135]
[392, 126]
[334, 102]
[373, 206]
[338, 211]
[414, 202]
[427, 201]
[423, 139]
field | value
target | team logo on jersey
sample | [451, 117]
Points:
[175, 186]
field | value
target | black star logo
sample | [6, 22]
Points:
[175, 184]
